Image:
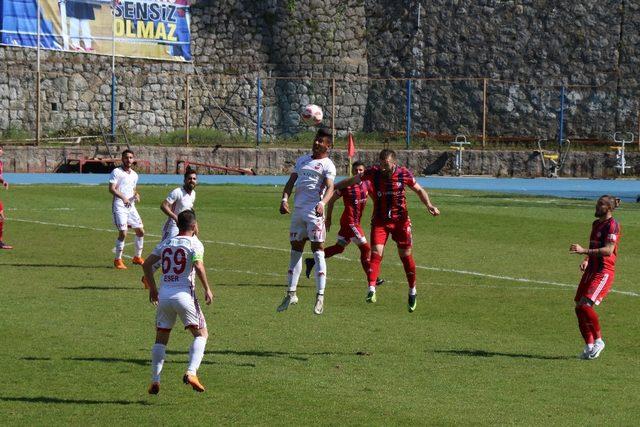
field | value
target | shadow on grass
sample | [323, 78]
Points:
[47, 399]
[484, 353]
[266, 353]
[33, 358]
[35, 264]
[147, 362]
[99, 288]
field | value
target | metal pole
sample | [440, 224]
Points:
[38, 99]
[187, 97]
[333, 108]
[408, 118]
[561, 127]
[113, 79]
[259, 118]
[484, 113]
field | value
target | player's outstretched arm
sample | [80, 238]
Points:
[329, 213]
[348, 182]
[286, 193]
[202, 275]
[424, 198]
[328, 194]
[147, 267]
[605, 250]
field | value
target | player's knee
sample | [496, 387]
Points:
[197, 332]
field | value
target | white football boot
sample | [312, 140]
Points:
[289, 299]
[319, 307]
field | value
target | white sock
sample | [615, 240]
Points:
[372, 289]
[138, 243]
[295, 268]
[599, 341]
[412, 291]
[321, 271]
[590, 347]
[196, 353]
[119, 248]
[157, 360]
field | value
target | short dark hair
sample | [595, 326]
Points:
[189, 171]
[186, 220]
[127, 151]
[356, 164]
[612, 201]
[323, 131]
[387, 152]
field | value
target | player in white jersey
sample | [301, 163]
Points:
[181, 257]
[179, 199]
[122, 184]
[313, 178]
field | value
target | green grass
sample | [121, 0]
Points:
[77, 334]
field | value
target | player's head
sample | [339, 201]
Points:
[187, 220]
[606, 205]
[190, 179]
[127, 158]
[387, 158]
[357, 168]
[322, 142]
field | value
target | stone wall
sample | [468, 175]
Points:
[526, 47]
[281, 161]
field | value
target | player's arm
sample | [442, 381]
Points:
[328, 194]
[202, 275]
[603, 251]
[147, 267]
[424, 198]
[113, 189]
[332, 202]
[286, 193]
[348, 182]
[165, 207]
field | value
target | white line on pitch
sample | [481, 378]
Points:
[445, 270]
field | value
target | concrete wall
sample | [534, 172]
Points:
[281, 161]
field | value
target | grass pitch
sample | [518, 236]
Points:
[494, 339]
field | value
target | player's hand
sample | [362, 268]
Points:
[320, 209]
[127, 203]
[284, 208]
[208, 296]
[576, 249]
[327, 223]
[153, 296]
[583, 265]
[433, 210]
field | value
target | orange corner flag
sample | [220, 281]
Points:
[351, 146]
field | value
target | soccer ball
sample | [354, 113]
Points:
[311, 115]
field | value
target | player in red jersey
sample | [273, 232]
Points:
[598, 272]
[355, 200]
[390, 217]
[5, 184]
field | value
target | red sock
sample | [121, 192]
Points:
[410, 270]
[1, 227]
[594, 321]
[374, 268]
[365, 255]
[583, 324]
[333, 250]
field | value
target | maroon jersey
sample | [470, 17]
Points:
[602, 233]
[388, 193]
[355, 199]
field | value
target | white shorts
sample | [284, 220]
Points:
[170, 229]
[183, 304]
[126, 217]
[307, 225]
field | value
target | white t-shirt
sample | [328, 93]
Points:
[310, 186]
[125, 183]
[177, 256]
[180, 201]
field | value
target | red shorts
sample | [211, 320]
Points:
[351, 233]
[595, 285]
[400, 233]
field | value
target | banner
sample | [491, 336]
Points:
[133, 28]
